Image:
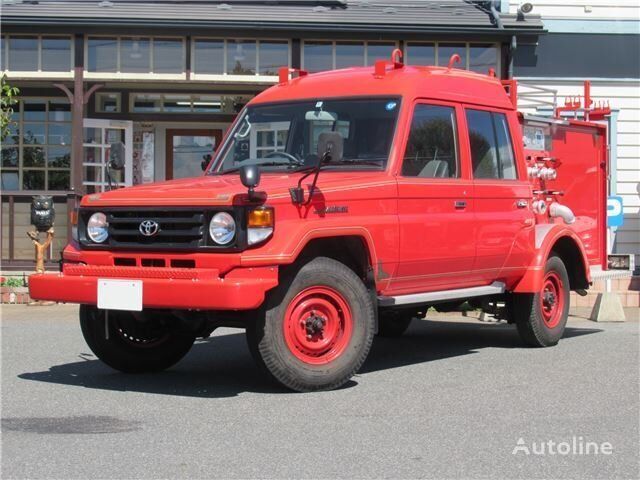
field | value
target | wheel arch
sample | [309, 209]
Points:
[563, 242]
[349, 249]
[571, 254]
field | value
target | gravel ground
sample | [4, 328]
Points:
[450, 399]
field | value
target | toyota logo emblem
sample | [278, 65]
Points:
[149, 228]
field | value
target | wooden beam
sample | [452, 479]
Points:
[91, 91]
[77, 136]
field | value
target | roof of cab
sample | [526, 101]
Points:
[438, 83]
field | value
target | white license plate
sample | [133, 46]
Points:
[120, 294]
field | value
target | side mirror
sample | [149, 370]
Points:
[250, 177]
[206, 159]
[116, 156]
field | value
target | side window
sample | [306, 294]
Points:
[491, 148]
[506, 160]
[432, 145]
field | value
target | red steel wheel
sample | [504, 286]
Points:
[552, 300]
[541, 317]
[318, 325]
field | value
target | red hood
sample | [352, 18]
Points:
[214, 189]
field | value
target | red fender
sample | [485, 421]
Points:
[546, 237]
[295, 245]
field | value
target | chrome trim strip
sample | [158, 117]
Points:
[431, 297]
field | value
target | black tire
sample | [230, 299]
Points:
[131, 348]
[272, 336]
[531, 310]
[393, 324]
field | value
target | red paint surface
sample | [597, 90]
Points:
[416, 240]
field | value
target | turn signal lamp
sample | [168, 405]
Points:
[73, 221]
[260, 222]
[260, 217]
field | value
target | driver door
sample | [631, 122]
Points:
[435, 204]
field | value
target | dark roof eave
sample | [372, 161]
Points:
[274, 26]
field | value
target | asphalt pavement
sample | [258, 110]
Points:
[453, 398]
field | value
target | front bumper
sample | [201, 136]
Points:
[175, 288]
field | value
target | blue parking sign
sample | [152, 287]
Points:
[615, 217]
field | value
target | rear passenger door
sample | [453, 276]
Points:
[502, 196]
[435, 209]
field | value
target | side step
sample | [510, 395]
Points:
[495, 288]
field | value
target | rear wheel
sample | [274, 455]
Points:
[541, 317]
[316, 329]
[132, 346]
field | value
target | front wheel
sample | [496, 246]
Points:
[317, 328]
[130, 345]
[541, 317]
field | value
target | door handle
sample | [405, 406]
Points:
[460, 204]
[522, 204]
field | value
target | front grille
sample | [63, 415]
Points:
[176, 228]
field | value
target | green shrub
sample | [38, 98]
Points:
[12, 282]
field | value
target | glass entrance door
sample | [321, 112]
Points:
[186, 148]
[98, 137]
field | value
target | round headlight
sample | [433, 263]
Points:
[222, 228]
[98, 227]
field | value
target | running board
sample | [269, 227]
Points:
[495, 288]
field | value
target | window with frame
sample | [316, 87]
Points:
[492, 153]
[476, 57]
[379, 51]
[446, 50]
[239, 57]
[420, 53]
[108, 102]
[186, 103]
[349, 54]
[136, 55]
[482, 58]
[432, 150]
[37, 153]
[318, 56]
[37, 53]
[321, 55]
[96, 144]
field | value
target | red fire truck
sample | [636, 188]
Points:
[342, 205]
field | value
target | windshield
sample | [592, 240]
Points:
[288, 135]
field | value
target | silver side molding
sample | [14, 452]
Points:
[495, 288]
